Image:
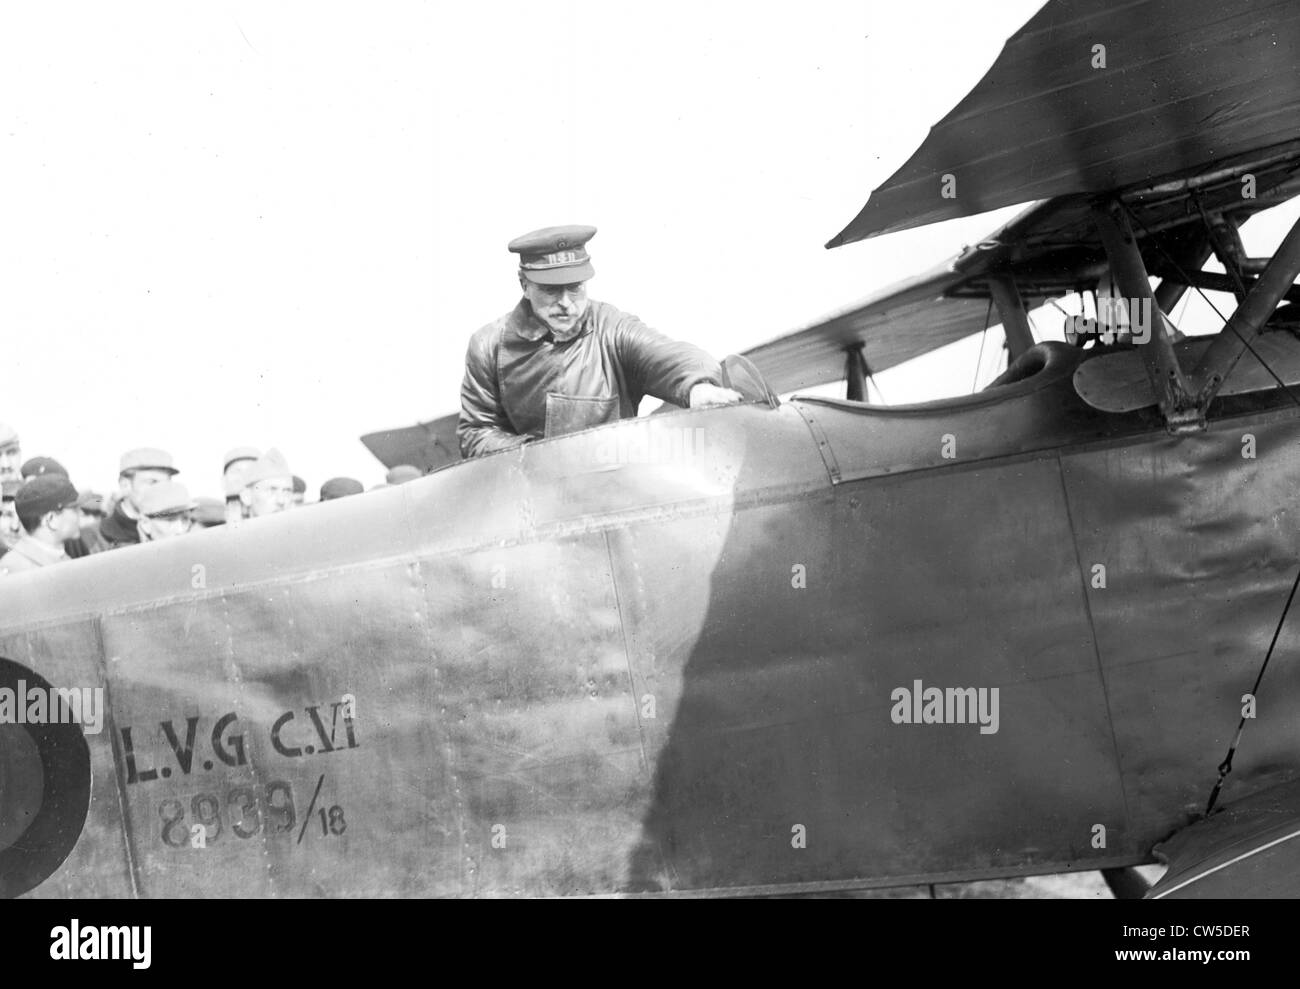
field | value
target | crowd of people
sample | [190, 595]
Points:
[557, 363]
[46, 519]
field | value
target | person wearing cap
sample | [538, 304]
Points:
[11, 453]
[210, 512]
[235, 464]
[90, 509]
[139, 470]
[47, 508]
[299, 491]
[340, 487]
[42, 465]
[11, 530]
[91, 506]
[76, 547]
[560, 362]
[166, 510]
[239, 459]
[268, 486]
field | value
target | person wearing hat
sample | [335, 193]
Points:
[76, 547]
[239, 459]
[560, 362]
[91, 506]
[47, 508]
[210, 512]
[11, 454]
[166, 510]
[340, 487]
[235, 465]
[11, 530]
[268, 486]
[139, 470]
[42, 465]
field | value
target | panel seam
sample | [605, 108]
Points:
[1092, 629]
[128, 832]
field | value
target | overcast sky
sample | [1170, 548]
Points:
[278, 224]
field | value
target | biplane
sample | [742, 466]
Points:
[786, 646]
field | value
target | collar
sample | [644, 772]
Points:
[527, 326]
[38, 552]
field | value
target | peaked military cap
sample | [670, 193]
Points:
[42, 465]
[555, 255]
[44, 493]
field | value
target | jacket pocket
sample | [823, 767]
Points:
[570, 413]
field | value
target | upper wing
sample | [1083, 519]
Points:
[1186, 86]
[429, 445]
[1052, 248]
[1196, 108]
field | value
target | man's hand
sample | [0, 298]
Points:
[704, 395]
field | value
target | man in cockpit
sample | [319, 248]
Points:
[560, 362]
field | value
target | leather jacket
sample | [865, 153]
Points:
[521, 384]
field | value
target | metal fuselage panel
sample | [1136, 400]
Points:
[663, 656]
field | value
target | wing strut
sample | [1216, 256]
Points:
[1174, 395]
[1184, 398]
[1015, 321]
[855, 372]
[1249, 318]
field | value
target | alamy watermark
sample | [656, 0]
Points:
[22, 705]
[1118, 319]
[919, 705]
[659, 445]
[102, 943]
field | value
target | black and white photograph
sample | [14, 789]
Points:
[543, 449]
